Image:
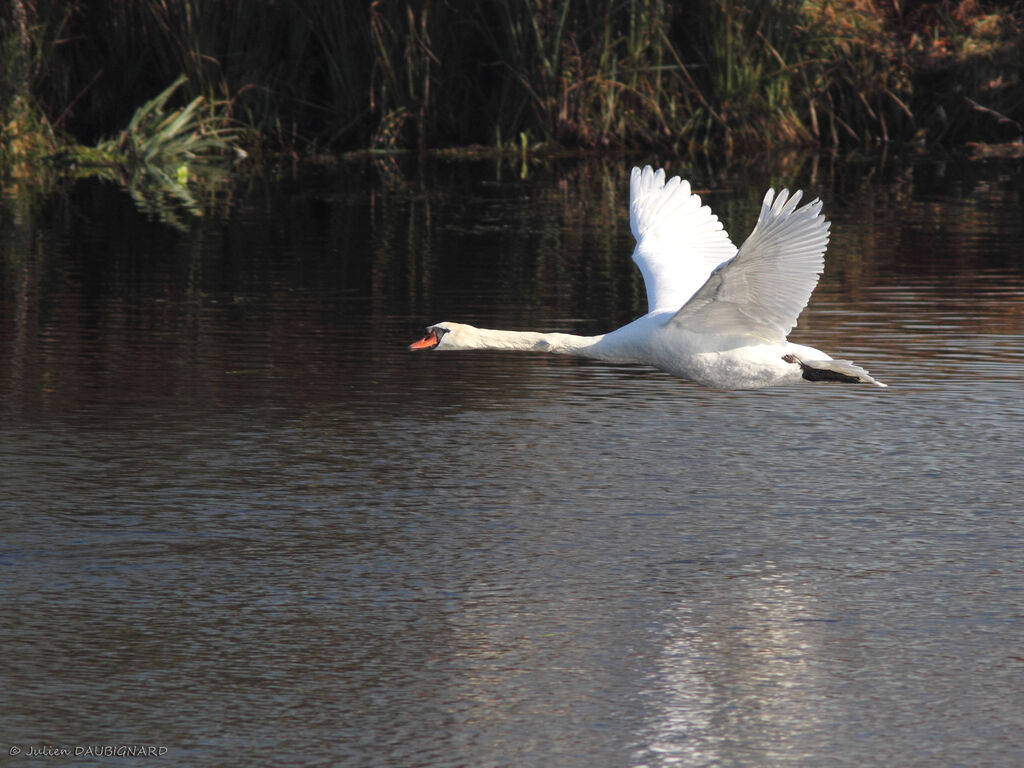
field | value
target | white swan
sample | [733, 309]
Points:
[716, 316]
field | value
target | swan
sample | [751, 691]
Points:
[716, 315]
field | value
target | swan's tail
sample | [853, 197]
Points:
[833, 370]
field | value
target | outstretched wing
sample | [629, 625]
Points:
[678, 241]
[763, 290]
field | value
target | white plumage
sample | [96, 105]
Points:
[716, 316]
[678, 241]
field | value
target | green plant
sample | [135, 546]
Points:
[309, 75]
[158, 137]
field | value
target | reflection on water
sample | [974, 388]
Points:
[707, 712]
[240, 520]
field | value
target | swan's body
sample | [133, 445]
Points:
[716, 316]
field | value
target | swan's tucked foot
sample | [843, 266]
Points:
[833, 370]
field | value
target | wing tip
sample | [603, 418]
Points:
[649, 192]
[784, 205]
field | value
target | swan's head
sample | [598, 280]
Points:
[446, 336]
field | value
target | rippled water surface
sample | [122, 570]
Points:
[242, 523]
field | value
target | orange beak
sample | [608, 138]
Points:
[427, 342]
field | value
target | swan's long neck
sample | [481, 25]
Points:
[471, 337]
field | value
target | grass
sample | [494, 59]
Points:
[315, 75]
[159, 137]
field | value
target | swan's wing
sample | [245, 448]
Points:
[678, 241]
[762, 291]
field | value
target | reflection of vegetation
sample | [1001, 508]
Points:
[151, 157]
[165, 193]
[407, 244]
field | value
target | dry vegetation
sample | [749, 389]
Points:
[319, 75]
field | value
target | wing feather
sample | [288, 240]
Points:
[764, 288]
[678, 241]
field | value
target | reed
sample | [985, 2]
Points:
[390, 74]
[26, 133]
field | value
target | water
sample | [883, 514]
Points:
[241, 523]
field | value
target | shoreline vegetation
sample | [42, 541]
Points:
[145, 91]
